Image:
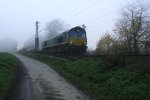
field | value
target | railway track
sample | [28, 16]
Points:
[69, 58]
[76, 57]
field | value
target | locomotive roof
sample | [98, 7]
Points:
[75, 28]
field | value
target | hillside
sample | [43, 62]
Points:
[107, 78]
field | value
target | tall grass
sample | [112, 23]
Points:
[8, 68]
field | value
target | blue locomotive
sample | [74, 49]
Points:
[73, 41]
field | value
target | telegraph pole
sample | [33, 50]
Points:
[36, 36]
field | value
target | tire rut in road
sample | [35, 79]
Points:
[49, 93]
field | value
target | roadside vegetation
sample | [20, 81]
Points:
[106, 78]
[8, 71]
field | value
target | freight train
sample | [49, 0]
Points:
[73, 41]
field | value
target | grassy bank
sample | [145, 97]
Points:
[8, 68]
[106, 78]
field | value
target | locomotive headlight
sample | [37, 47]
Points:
[85, 43]
[70, 42]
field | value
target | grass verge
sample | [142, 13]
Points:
[8, 70]
[102, 79]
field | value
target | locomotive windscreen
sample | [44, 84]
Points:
[82, 34]
[78, 32]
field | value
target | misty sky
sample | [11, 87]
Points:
[18, 17]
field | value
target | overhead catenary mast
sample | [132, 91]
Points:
[36, 36]
[83, 26]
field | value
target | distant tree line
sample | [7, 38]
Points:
[131, 33]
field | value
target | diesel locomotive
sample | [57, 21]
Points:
[73, 41]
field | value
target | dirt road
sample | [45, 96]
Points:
[43, 83]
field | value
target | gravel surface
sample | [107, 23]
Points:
[43, 83]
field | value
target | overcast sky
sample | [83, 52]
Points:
[18, 17]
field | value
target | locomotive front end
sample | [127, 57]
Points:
[77, 40]
[77, 37]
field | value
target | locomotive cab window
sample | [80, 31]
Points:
[82, 34]
[60, 39]
[73, 34]
[45, 43]
[78, 33]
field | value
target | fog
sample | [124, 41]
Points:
[8, 45]
[29, 44]
[18, 18]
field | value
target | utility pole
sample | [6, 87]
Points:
[36, 36]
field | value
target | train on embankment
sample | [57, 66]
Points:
[73, 41]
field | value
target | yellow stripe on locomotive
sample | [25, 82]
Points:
[77, 41]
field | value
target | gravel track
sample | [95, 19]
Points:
[43, 83]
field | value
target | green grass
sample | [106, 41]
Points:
[102, 79]
[111, 83]
[8, 68]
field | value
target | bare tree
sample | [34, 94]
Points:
[133, 28]
[55, 27]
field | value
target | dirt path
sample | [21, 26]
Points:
[43, 83]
